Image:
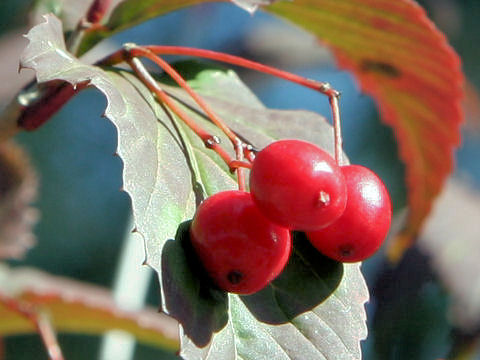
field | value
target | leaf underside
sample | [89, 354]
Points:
[167, 171]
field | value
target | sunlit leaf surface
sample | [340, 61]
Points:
[398, 57]
[316, 302]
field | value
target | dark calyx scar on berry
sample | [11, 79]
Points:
[243, 239]
[360, 230]
[241, 250]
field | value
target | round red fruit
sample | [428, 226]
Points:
[241, 250]
[297, 185]
[364, 224]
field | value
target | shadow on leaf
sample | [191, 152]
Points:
[189, 295]
[308, 280]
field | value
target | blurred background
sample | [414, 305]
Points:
[414, 310]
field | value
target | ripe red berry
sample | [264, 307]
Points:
[364, 224]
[241, 250]
[297, 185]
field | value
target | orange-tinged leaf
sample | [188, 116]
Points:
[401, 60]
[80, 308]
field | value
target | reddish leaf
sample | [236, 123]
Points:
[80, 308]
[406, 64]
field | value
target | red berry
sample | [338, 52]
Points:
[364, 224]
[297, 185]
[241, 250]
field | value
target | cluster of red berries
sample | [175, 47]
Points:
[244, 239]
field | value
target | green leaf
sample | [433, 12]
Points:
[289, 305]
[316, 303]
[320, 316]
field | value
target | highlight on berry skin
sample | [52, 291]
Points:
[240, 249]
[363, 226]
[296, 184]
[243, 247]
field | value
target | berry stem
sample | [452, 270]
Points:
[322, 87]
[212, 142]
[240, 171]
[132, 52]
[249, 152]
[337, 129]
[41, 322]
[137, 51]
